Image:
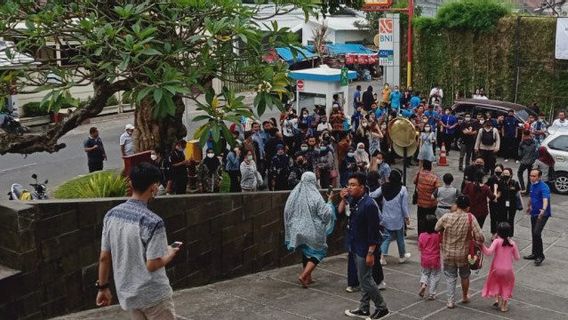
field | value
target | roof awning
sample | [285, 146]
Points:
[13, 59]
[346, 48]
[302, 54]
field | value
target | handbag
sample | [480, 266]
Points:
[475, 256]
[415, 194]
[519, 201]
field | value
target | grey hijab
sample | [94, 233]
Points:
[306, 215]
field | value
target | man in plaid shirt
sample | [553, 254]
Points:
[455, 247]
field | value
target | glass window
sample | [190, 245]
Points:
[523, 115]
[560, 143]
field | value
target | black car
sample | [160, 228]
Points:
[496, 107]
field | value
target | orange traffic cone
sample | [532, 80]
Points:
[443, 160]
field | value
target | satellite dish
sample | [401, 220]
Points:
[376, 40]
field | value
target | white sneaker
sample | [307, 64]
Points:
[383, 261]
[405, 258]
[506, 160]
[352, 289]
[382, 285]
[517, 161]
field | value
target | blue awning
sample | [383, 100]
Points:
[302, 54]
[346, 48]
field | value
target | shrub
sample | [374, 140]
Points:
[35, 109]
[127, 97]
[112, 101]
[103, 184]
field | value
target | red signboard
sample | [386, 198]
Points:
[362, 59]
[371, 4]
[349, 59]
[372, 59]
[300, 85]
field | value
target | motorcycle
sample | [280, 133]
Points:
[18, 192]
[11, 123]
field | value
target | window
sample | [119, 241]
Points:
[560, 143]
[68, 52]
[463, 109]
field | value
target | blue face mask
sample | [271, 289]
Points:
[323, 150]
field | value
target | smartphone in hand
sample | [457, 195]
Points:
[176, 244]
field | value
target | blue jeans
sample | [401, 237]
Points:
[353, 279]
[388, 236]
[369, 289]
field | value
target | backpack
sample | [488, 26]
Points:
[487, 137]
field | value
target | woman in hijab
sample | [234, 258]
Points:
[394, 199]
[308, 220]
[210, 172]
[362, 157]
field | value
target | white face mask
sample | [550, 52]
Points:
[380, 161]
[304, 148]
[481, 121]
[350, 154]
[427, 129]
[210, 155]
[467, 119]
[249, 157]
[153, 157]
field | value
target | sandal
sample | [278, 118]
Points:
[422, 291]
[450, 305]
[303, 282]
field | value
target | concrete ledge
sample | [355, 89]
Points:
[35, 121]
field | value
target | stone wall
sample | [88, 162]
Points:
[55, 245]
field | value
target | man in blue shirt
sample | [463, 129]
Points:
[510, 125]
[364, 239]
[395, 98]
[448, 124]
[357, 97]
[433, 118]
[539, 210]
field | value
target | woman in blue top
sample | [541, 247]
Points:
[394, 214]
[308, 220]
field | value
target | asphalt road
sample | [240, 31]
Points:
[72, 160]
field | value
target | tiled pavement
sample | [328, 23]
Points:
[540, 292]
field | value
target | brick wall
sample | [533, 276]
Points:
[55, 245]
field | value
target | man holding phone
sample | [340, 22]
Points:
[134, 243]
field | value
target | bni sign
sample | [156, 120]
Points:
[386, 42]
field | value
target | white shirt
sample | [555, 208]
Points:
[558, 125]
[128, 143]
[323, 126]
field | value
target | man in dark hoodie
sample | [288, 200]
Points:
[528, 153]
[368, 98]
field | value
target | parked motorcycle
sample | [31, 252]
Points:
[10, 123]
[19, 192]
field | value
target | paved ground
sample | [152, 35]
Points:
[540, 293]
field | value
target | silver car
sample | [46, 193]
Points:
[557, 146]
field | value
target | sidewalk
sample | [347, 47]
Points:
[540, 293]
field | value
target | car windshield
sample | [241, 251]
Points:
[523, 114]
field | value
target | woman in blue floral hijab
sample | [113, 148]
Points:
[308, 220]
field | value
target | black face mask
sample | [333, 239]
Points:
[498, 173]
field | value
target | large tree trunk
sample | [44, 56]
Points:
[158, 134]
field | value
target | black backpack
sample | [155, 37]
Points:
[487, 137]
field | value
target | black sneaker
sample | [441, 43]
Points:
[379, 314]
[357, 313]
[530, 257]
[538, 261]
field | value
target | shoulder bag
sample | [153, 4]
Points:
[475, 256]
[415, 194]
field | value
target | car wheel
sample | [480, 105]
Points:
[561, 182]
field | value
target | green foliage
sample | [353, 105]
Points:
[112, 101]
[159, 51]
[103, 184]
[461, 61]
[465, 15]
[34, 109]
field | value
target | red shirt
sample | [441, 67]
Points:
[478, 198]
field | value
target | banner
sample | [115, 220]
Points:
[386, 42]
[561, 51]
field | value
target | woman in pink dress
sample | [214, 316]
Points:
[501, 279]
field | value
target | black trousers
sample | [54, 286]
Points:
[509, 216]
[95, 166]
[448, 139]
[421, 217]
[537, 225]
[180, 185]
[466, 152]
[481, 220]
[509, 147]
[489, 159]
[497, 215]
[235, 177]
[520, 173]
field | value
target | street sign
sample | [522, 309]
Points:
[386, 42]
[371, 4]
[300, 85]
[344, 79]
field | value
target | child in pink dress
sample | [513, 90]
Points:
[429, 246]
[501, 279]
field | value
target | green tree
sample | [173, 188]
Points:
[158, 52]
